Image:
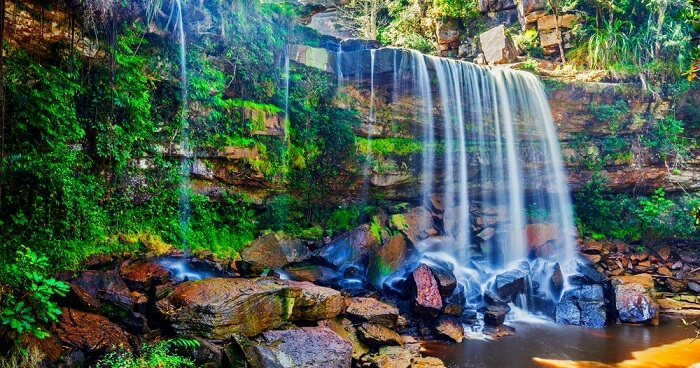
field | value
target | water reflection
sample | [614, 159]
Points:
[552, 345]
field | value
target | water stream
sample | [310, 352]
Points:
[185, 164]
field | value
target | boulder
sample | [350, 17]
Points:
[275, 250]
[556, 280]
[387, 259]
[347, 331]
[390, 357]
[425, 290]
[414, 225]
[352, 247]
[540, 233]
[497, 332]
[90, 333]
[80, 298]
[495, 5]
[498, 46]
[510, 283]
[98, 282]
[377, 335]
[590, 273]
[450, 327]
[427, 362]
[583, 306]
[447, 282]
[372, 310]
[525, 7]
[143, 275]
[634, 299]
[315, 302]
[495, 315]
[304, 347]
[97, 261]
[550, 22]
[447, 31]
[217, 308]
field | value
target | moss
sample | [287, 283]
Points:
[399, 221]
[375, 228]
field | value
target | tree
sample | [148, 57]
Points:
[558, 8]
[691, 15]
[365, 17]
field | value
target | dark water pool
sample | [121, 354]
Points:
[581, 347]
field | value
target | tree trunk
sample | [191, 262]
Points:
[559, 39]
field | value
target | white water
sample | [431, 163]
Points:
[185, 165]
[497, 134]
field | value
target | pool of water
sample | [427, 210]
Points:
[545, 344]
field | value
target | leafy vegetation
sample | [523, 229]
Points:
[159, 354]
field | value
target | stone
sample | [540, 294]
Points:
[592, 275]
[510, 283]
[550, 22]
[674, 285]
[453, 309]
[90, 333]
[557, 279]
[98, 282]
[592, 258]
[540, 233]
[498, 332]
[390, 357]
[526, 7]
[81, 299]
[377, 335]
[450, 327]
[495, 315]
[425, 290]
[347, 331]
[275, 250]
[201, 170]
[634, 299]
[352, 247]
[694, 287]
[495, 5]
[143, 275]
[98, 261]
[304, 347]
[590, 246]
[315, 302]
[447, 282]
[372, 310]
[664, 271]
[207, 353]
[218, 308]
[486, 234]
[497, 46]
[414, 224]
[427, 362]
[582, 306]
[387, 259]
[664, 252]
[447, 31]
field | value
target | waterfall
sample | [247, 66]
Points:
[185, 166]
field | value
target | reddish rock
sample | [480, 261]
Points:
[495, 315]
[95, 282]
[81, 299]
[539, 234]
[447, 282]
[674, 285]
[143, 275]
[424, 289]
[89, 332]
[593, 258]
[315, 302]
[499, 331]
[414, 224]
[664, 271]
[98, 261]
[590, 246]
[621, 246]
[372, 310]
[664, 252]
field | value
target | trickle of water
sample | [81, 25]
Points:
[184, 134]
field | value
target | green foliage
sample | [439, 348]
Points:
[156, 355]
[455, 9]
[30, 304]
[667, 138]
[343, 219]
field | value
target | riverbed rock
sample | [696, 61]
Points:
[450, 327]
[275, 250]
[143, 275]
[386, 259]
[582, 306]
[90, 333]
[351, 248]
[373, 310]
[389, 357]
[510, 283]
[427, 362]
[415, 225]
[498, 332]
[447, 282]
[495, 315]
[347, 330]
[376, 335]
[634, 299]
[217, 308]
[424, 290]
[498, 46]
[304, 347]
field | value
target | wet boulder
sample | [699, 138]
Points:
[591, 274]
[447, 282]
[510, 283]
[303, 347]
[144, 275]
[387, 259]
[351, 248]
[582, 306]
[111, 291]
[372, 310]
[634, 299]
[494, 315]
[450, 327]
[315, 302]
[347, 330]
[424, 290]
[416, 225]
[275, 250]
[389, 357]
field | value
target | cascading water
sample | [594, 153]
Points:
[489, 142]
